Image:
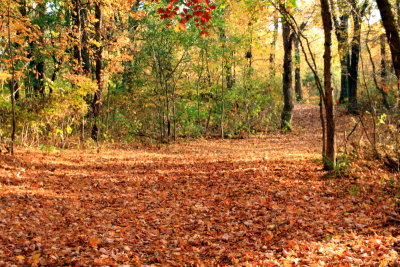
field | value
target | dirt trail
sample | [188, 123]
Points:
[260, 201]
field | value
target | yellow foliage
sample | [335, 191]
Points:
[4, 76]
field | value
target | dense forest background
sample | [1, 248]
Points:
[74, 72]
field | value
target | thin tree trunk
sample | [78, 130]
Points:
[297, 72]
[330, 156]
[286, 117]
[84, 40]
[329, 152]
[99, 72]
[222, 102]
[223, 69]
[383, 59]
[108, 109]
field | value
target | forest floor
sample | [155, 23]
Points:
[262, 201]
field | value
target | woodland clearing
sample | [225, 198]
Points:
[261, 201]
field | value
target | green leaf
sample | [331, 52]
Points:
[292, 3]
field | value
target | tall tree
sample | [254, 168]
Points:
[286, 117]
[330, 154]
[297, 71]
[357, 13]
[79, 13]
[392, 32]
[383, 72]
[96, 103]
[341, 23]
[84, 37]
[13, 79]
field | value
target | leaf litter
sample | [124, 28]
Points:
[262, 201]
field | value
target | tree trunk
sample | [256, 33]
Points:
[392, 32]
[398, 13]
[357, 14]
[342, 36]
[273, 45]
[297, 72]
[341, 24]
[96, 104]
[12, 83]
[76, 22]
[286, 117]
[383, 58]
[383, 72]
[84, 41]
[230, 81]
[330, 156]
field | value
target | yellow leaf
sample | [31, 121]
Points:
[96, 43]
[4, 76]
[35, 259]
[20, 258]
[180, 27]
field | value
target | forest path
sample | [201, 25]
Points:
[262, 201]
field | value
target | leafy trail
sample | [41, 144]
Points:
[260, 201]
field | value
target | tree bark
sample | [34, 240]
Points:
[330, 157]
[398, 12]
[357, 14]
[84, 40]
[286, 117]
[342, 35]
[12, 83]
[76, 22]
[343, 46]
[383, 72]
[297, 72]
[96, 104]
[392, 32]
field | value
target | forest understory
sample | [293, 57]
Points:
[260, 201]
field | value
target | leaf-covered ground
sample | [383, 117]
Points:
[256, 202]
